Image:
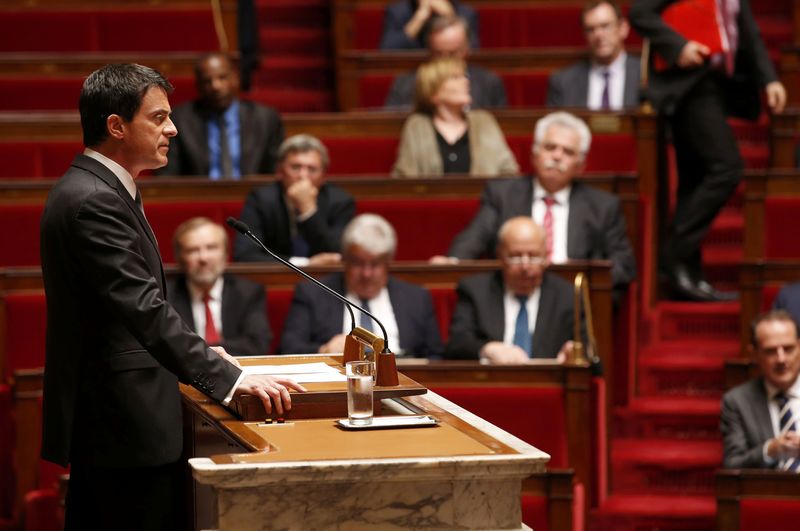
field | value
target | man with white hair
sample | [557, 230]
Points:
[580, 222]
[317, 322]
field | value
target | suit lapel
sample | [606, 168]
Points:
[547, 305]
[228, 305]
[182, 301]
[761, 411]
[495, 308]
[575, 222]
[521, 198]
[582, 82]
[631, 94]
[400, 313]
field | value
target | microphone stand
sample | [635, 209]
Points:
[385, 364]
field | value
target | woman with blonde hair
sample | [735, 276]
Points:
[443, 135]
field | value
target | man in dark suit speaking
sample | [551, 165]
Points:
[224, 309]
[223, 136]
[580, 222]
[317, 322]
[116, 349]
[518, 313]
[761, 418]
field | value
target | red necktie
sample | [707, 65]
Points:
[212, 336]
[548, 223]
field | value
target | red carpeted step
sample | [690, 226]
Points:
[664, 466]
[669, 418]
[293, 40]
[681, 374]
[642, 512]
[693, 321]
[295, 13]
[294, 100]
[288, 71]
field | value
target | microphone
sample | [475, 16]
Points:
[243, 229]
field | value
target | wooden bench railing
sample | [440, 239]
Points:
[751, 500]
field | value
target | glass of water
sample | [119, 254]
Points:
[360, 378]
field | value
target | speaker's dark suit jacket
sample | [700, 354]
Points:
[745, 425]
[486, 89]
[115, 348]
[261, 133]
[569, 87]
[399, 13]
[753, 68]
[245, 328]
[266, 213]
[315, 317]
[479, 316]
[596, 227]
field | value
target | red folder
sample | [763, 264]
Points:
[696, 20]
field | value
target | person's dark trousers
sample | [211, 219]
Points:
[149, 498]
[709, 169]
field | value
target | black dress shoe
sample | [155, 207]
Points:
[684, 287]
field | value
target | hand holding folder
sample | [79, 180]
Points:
[696, 20]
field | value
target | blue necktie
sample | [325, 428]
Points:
[365, 321]
[786, 424]
[522, 335]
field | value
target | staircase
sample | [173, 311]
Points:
[296, 70]
[665, 444]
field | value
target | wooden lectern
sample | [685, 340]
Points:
[307, 473]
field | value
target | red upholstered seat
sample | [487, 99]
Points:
[278, 303]
[19, 247]
[61, 93]
[367, 28]
[757, 514]
[535, 512]
[373, 89]
[424, 228]
[6, 453]
[26, 323]
[362, 155]
[609, 152]
[164, 218]
[534, 414]
[24, 160]
[42, 507]
[113, 30]
[768, 294]
[780, 216]
[444, 303]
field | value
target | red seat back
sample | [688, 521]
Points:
[534, 414]
[26, 324]
[362, 155]
[756, 514]
[780, 215]
[424, 227]
[20, 246]
[278, 303]
[6, 453]
[444, 303]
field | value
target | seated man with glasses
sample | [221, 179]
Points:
[517, 313]
[318, 322]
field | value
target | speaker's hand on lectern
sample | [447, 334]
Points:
[270, 390]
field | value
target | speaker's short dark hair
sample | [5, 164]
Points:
[114, 89]
[771, 315]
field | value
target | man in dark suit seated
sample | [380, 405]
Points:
[406, 23]
[222, 308]
[759, 418]
[517, 313]
[222, 136]
[608, 79]
[580, 222]
[448, 38]
[317, 322]
[300, 217]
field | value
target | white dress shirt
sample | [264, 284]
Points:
[616, 84]
[560, 213]
[199, 307]
[380, 307]
[511, 308]
[793, 394]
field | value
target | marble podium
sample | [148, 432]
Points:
[309, 474]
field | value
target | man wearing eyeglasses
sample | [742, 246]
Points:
[517, 313]
[580, 222]
[317, 322]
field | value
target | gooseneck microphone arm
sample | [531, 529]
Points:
[243, 229]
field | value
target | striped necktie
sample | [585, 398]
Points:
[785, 425]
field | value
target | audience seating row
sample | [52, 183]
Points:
[112, 28]
[510, 24]
[751, 500]
[427, 214]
